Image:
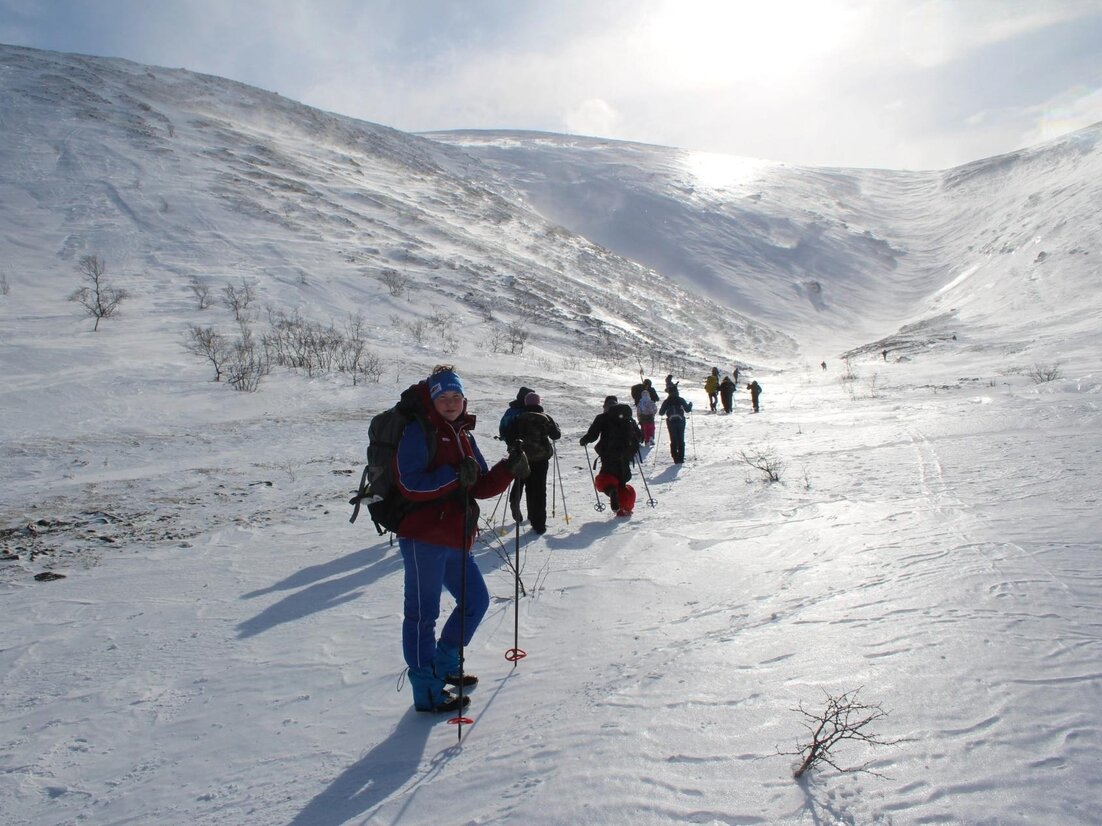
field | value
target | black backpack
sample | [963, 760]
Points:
[378, 487]
[620, 437]
[534, 429]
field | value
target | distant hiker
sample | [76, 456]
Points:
[823, 365]
[619, 437]
[755, 391]
[435, 537]
[645, 399]
[711, 387]
[512, 411]
[736, 374]
[675, 408]
[534, 432]
[884, 353]
[727, 393]
[646, 410]
[670, 383]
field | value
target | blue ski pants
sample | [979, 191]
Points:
[428, 570]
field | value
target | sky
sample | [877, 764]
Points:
[899, 84]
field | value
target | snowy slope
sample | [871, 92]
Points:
[224, 646]
[834, 257]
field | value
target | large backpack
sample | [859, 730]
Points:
[620, 437]
[534, 429]
[647, 405]
[378, 487]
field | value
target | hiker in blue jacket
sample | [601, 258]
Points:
[435, 537]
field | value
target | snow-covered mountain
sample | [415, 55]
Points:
[169, 176]
[222, 647]
[834, 257]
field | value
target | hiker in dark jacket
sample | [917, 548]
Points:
[435, 537]
[533, 430]
[511, 412]
[675, 409]
[755, 391]
[727, 393]
[619, 437]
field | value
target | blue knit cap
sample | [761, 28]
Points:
[446, 381]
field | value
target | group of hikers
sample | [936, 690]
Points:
[440, 473]
[724, 390]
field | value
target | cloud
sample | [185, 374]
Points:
[592, 117]
[898, 83]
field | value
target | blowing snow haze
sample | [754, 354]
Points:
[691, 255]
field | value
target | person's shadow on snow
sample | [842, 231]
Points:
[380, 773]
[321, 587]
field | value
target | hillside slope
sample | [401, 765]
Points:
[835, 257]
[170, 175]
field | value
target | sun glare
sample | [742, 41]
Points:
[704, 42]
[715, 171]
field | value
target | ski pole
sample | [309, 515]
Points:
[516, 653]
[458, 720]
[554, 475]
[562, 488]
[650, 499]
[657, 442]
[600, 506]
[693, 427]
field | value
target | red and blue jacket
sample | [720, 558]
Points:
[433, 485]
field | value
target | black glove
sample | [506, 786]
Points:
[468, 471]
[517, 463]
[582, 441]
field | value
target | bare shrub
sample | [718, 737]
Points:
[498, 341]
[397, 285]
[202, 292]
[1043, 373]
[246, 364]
[208, 343]
[5, 287]
[354, 357]
[238, 299]
[517, 336]
[848, 373]
[765, 460]
[98, 298]
[843, 718]
[418, 329]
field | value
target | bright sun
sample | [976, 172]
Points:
[704, 42]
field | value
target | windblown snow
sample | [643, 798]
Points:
[223, 647]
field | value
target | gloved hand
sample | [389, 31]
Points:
[468, 471]
[517, 463]
[582, 441]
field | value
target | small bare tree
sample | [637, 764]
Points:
[98, 298]
[396, 283]
[238, 299]
[202, 292]
[247, 363]
[517, 337]
[765, 460]
[843, 718]
[1043, 373]
[5, 287]
[418, 328]
[208, 343]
